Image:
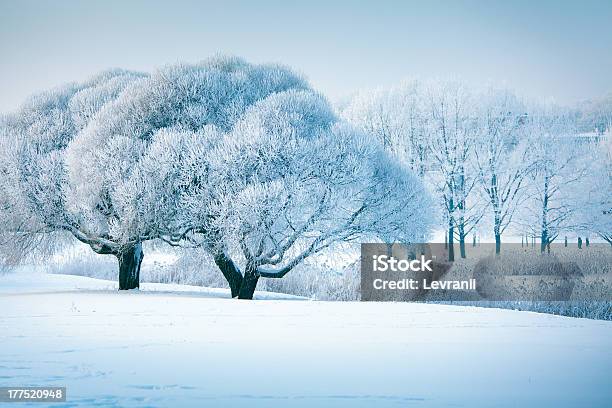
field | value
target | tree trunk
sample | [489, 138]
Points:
[461, 207]
[129, 267]
[497, 243]
[451, 243]
[462, 240]
[544, 235]
[544, 240]
[230, 272]
[249, 283]
[451, 231]
[497, 233]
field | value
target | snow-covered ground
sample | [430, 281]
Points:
[166, 347]
[22, 283]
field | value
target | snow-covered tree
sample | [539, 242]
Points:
[33, 143]
[430, 128]
[290, 180]
[502, 157]
[99, 159]
[596, 115]
[452, 132]
[122, 182]
[559, 166]
[593, 214]
[396, 118]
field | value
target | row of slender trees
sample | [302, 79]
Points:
[495, 162]
[243, 160]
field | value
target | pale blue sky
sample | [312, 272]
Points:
[559, 49]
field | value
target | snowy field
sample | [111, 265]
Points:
[172, 346]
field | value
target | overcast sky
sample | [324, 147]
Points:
[559, 49]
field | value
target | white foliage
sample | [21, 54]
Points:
[290, 180]
[34, 139]
[122, 174]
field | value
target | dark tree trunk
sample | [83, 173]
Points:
[451, 231]
[249, 283]
[497, 233]
[462, 240]
[544, 234]
[566, 242]
[129, 267]
[451, 243]
[543, 240]
[230, 272]
[497, 243]
[474, 241]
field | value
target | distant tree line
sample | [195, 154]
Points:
[494, 162]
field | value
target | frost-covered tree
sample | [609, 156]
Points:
[502, 157]
[33, 143]
[430, 128]
[593, 214]
[289, 180]
[596, 115]
[122, 168]
[452, 132]
[559, 166]
[396, 118]
[99, 159]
